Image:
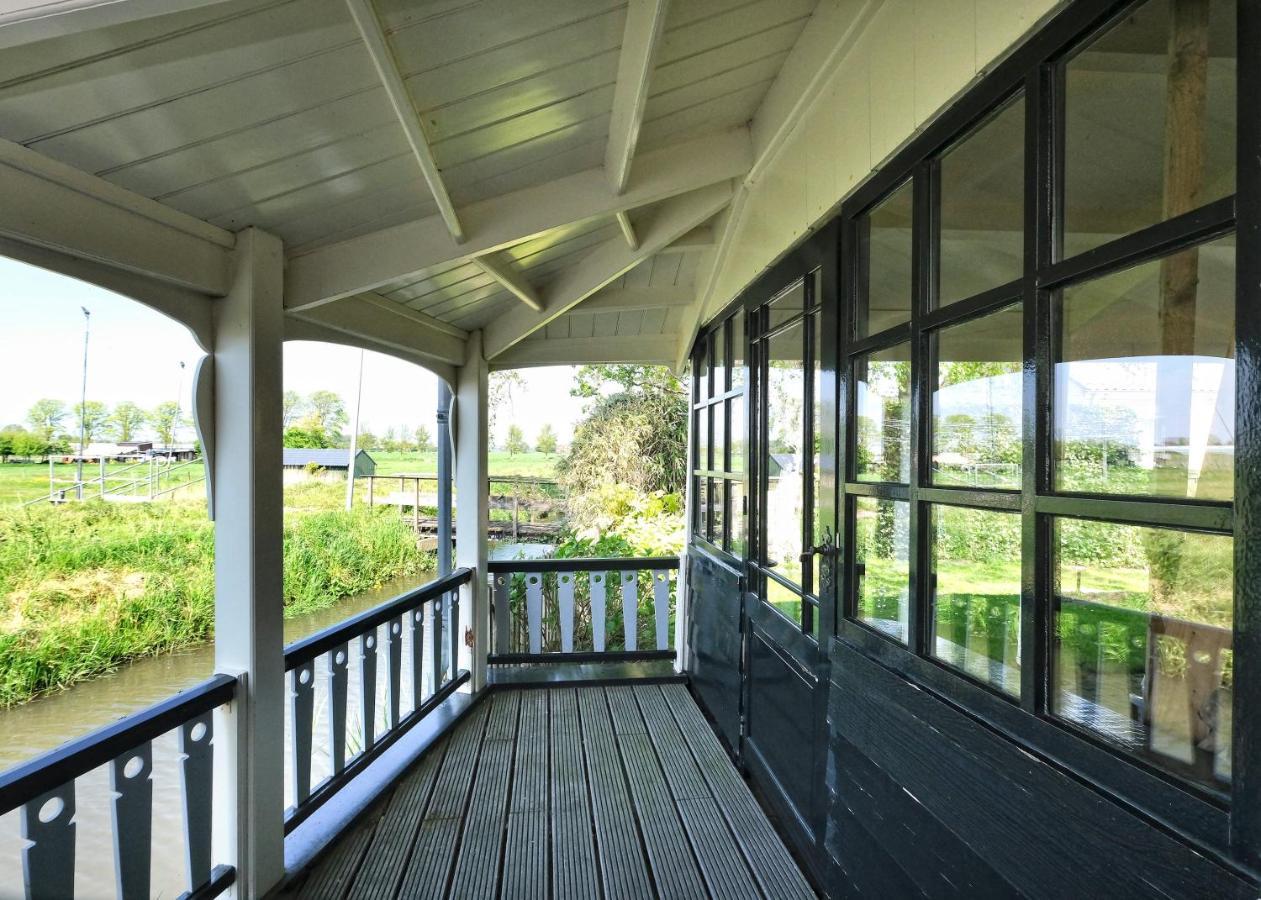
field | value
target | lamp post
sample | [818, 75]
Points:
[354, 439]
[83, 404]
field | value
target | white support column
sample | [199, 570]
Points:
[248, 507]
[472, 505]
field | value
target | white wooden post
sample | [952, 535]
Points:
[472, 512]
[248, 507]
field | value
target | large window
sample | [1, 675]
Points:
[1039, 374]
[718, 429]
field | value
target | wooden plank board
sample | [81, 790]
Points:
[625, 711]
[623, 868]
[726, 873]
[682, 773]
[477, 870]
[395, 835]
[525, 857]
[775, 870]
[331, 878]
[574, 875]
[673, 868]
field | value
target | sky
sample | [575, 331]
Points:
[134, 353]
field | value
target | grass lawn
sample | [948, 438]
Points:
[20, 482]
[532, 464]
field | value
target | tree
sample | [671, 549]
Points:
[291, 407]
[45, 416]
[635, 438]
[368, 441]
[516, 441]
[126, 420]
[424, 442]
[166, 418]
[326, 411]
[306, 438]
[546, 441]
[597, 381]
[90, 418]
[499, 393]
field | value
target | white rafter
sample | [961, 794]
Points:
[643, 349]
[607, 262]
[387, 324]
[55, 206]
[374, 38]
[365, 263]
[515, 282]
[628, 229]
[645, 20]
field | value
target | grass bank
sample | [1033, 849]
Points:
[88, 586]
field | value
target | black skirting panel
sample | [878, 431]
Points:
[926, 800]
[714, 637]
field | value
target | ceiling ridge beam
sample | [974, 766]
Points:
[643, 349]
[369, 261]
[383, 59]
[514, 282]
[605, 264]
[645, 22]
[52, 205]
[376, 321]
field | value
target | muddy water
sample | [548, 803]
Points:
[43, 724]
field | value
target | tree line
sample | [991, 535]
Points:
[53, 427]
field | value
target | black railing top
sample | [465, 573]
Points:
[309, 648]
[585, 564]
[51, 770]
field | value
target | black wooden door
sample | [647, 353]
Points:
[790, 598]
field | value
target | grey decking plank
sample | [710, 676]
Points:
[574, 875]
[682, 773]
[525, 856]
[623, 868]
[332, 876]
[477, 869]
[529, 782]
[674, 870]
[502, 724]
[624, 709]
[724, 868]
[766, 854]
[434, 854]
[395, 835]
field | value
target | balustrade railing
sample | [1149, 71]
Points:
[550, 610]
[415, 635]
[43, 791]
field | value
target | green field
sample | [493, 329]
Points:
[534, 465]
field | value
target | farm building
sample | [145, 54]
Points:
[332, 460]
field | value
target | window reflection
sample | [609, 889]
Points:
[884, 415]
[982, 207]
[784, 460]
[885, 300]
[735, 436]
[1143, 651]
[882, 531]
[735, 518]
[1129, 97]
[1145, 381]
[977, 402]
[736, 325]
[976, 593]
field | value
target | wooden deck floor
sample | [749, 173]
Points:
[614, 792]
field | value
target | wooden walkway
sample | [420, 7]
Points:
[614, 792]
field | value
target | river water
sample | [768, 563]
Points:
[42, 724]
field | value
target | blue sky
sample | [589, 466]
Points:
[135, 354]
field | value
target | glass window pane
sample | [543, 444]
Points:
[982, 207]
[1145, 380]
[976, 593]
[977, 402]
[719, 437]
[737, 350]
[715, 511]
[702, 371]
[784, 461]
[1150, 134]
[1143, 651]
[787, 306]
[786, 601]
[700, 525]
[886, 300]
[816, 498]
[882, 532]
[735, 518]
[735, 437]
[719, 360]
[883, 411]
[702, 437]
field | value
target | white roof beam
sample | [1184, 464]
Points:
[513, 281]
[606, 263]
[628, 229]
[298, 328]
[28, 21]
[645, 20]
[388, 324]
[374, 38]
[644, 350]
[367, 262]
[612, 299]
[58, 207]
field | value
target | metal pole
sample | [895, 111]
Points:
[444, 478]
[83, 402]
[102, 476]
[354, 439]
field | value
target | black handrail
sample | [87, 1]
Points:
[49, 771]
[309, 648]
[585, 564]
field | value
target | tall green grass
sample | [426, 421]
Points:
[88, 586]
